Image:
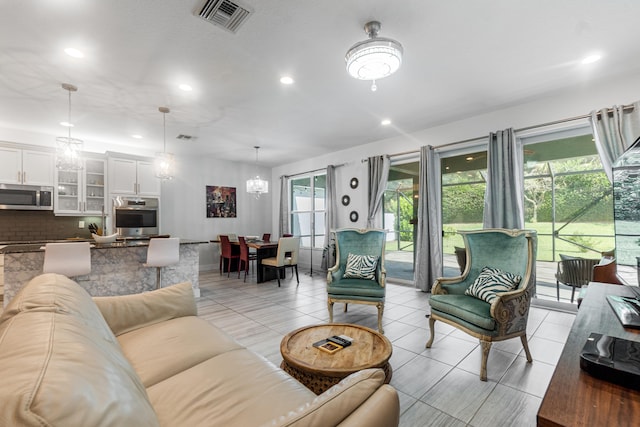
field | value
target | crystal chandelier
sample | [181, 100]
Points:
[164, 162]
[375, 58]
[68, 150]
[257, 185]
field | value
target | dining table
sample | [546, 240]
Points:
[264, 249]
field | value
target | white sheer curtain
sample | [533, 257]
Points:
[283, 220]
[378, 175]
[429, 239]
[503, 199]
[330, 212]
[614, 131]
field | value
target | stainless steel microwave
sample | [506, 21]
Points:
[26, 197]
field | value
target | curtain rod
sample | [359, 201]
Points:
[314, 170]
[629, 107]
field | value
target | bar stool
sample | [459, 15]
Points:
[70, 259]
[162, 252]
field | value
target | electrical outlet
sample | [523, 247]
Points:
[80, 224]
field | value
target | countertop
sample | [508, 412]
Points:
[38, 246]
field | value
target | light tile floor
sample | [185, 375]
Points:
[438, 386]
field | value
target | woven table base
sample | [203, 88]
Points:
[320, 383]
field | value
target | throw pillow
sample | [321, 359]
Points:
[492, 281]
[361, 267]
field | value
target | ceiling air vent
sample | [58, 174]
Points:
[184, 137]
[224, 13]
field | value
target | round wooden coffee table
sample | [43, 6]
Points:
[319, 370]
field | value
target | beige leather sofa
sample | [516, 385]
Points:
[67, 359]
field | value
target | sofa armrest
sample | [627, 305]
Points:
[125, 313]
[343, 400]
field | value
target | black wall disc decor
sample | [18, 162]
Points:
[346, 200]
[353, 216]
[353, 183]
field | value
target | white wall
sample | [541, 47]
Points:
[184, 205]
[572, 102]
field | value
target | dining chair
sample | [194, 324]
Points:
[162, 252]
[245, 257]
[70, 259]
[226, 252]
[287, 256]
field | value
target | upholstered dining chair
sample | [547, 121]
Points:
[286, 257]
[574, 272]
[359, 275]
[245, 258]
[490, 300]
[227, 253]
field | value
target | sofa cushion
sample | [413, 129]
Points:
[361, 267]
[491, 282]
[162, 350]
[61, 365]
[467, 308]
[356, 288]
[124, 313]
[237, 388]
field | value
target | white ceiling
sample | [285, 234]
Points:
[462, 58]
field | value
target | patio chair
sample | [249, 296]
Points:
[490, 300]
[359, 275]
[574, 272]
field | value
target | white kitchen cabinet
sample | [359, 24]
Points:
[31, 167]
[81, 192]
[135, 177]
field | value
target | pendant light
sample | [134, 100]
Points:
[375, 58]
[165, 162]
[68, 149]
[257, 185]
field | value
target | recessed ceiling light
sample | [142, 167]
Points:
[385, 122]
[469, 158]
[67, 124]
[185, 87]
[136, 136]
[591, 58]
[286, 80]
[71, 51]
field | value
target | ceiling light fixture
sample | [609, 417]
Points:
[385, 122]
[185, 87]
[68, 149]
[257, 185]
[165, 162]
[375, 58]
[591, 59]
[71, 51]
[136, 136]
[286, 80]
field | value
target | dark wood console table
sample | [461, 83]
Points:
[575, 398]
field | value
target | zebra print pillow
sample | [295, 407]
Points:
[361, 267]
[492, 281]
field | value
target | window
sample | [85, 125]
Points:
[307, 209]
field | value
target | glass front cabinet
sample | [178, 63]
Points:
[81, 192]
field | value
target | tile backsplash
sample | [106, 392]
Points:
[19, 226]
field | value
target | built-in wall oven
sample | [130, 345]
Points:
[136, 217]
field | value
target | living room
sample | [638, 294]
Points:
[546, 89]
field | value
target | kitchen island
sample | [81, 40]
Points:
[116, 268]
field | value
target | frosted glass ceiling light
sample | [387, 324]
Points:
[68, 149]
[165, 162]
[257, 185]
[375, 58]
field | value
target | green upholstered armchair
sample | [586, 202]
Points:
[511, 251]
[341, 288]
